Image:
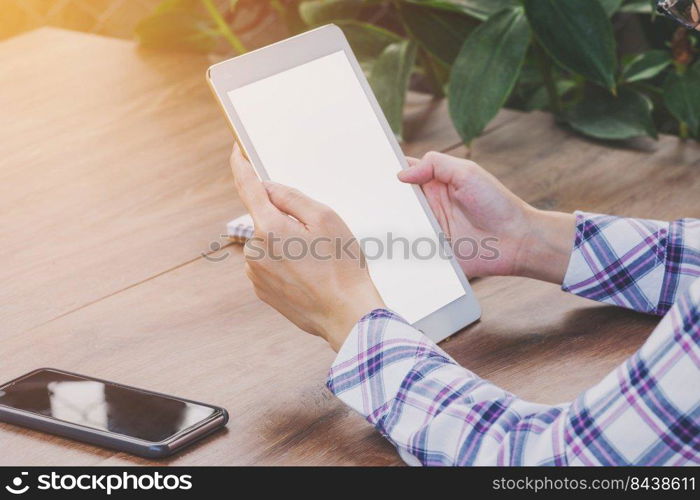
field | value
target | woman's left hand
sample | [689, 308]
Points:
[309, 267]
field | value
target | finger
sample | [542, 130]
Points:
[252, 192]
[417, 174]
[295, 203]
[249, 272]
[412, 162]
[443, 168]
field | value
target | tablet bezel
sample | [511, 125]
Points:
[292, 52]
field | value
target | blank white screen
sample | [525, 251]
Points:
[314, 129]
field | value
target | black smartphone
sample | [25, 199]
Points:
[103, 413]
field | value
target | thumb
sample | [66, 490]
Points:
[417, 173]
[293, 202]
[440, 167]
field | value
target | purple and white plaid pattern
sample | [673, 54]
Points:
[241, 229]
[646, 412]
[634, 263]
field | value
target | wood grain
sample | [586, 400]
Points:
[114, 180]
[428, 126]
[114, 169]
[554, 169]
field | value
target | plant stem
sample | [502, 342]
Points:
[646, 87]
[224, 28]
[680, 67]
[422, 54]
[545, 66]
[683, 130]
[431, 73]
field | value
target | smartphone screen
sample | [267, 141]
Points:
[102, 405]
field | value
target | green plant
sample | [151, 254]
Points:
[570, 57]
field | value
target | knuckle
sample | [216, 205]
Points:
[262, 227]
[252, 266]
[250, 274]
[432, 156]
[291, 195]
[251, 244]
[266, 224]
[470, 167]
[258, 238]
[274, 228]
[247, 254]
[258, 233]
[326, 215]
[259, 293]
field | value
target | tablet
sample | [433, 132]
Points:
[305, 115]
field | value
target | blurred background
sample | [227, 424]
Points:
[116, 18]
[608, 69]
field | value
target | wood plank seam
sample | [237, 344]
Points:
[129, 287]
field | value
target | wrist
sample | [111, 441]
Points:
[547, 246]
[348, 312]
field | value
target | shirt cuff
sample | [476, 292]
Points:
[618, 261]
[375, 361]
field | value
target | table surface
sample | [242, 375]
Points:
[114, 185]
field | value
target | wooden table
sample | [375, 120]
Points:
[113, 184]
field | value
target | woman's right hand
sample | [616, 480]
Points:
[472, 205]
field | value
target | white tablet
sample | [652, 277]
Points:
[305, 115]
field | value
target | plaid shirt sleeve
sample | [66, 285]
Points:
[646, 412]
[638, 264]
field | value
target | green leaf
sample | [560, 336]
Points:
[367, 40]
[319, 12]
[646, 65]
[478, 9]
[604, 116]
[540, 98]
[436, 73]
[486, 69]
[578, 35]
[682, 98]
[389, 80]
[441, 33]
[178, 24]
[223, 27]
[638, 7]
[610, 6]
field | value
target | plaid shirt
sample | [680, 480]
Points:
[646, 412]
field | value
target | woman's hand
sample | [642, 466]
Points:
[309, 267]
[471, 203]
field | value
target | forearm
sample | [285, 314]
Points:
[433, 410]
[345, 315]
[546, 251]
[634, 263]
[438, 413]
[639, 264]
